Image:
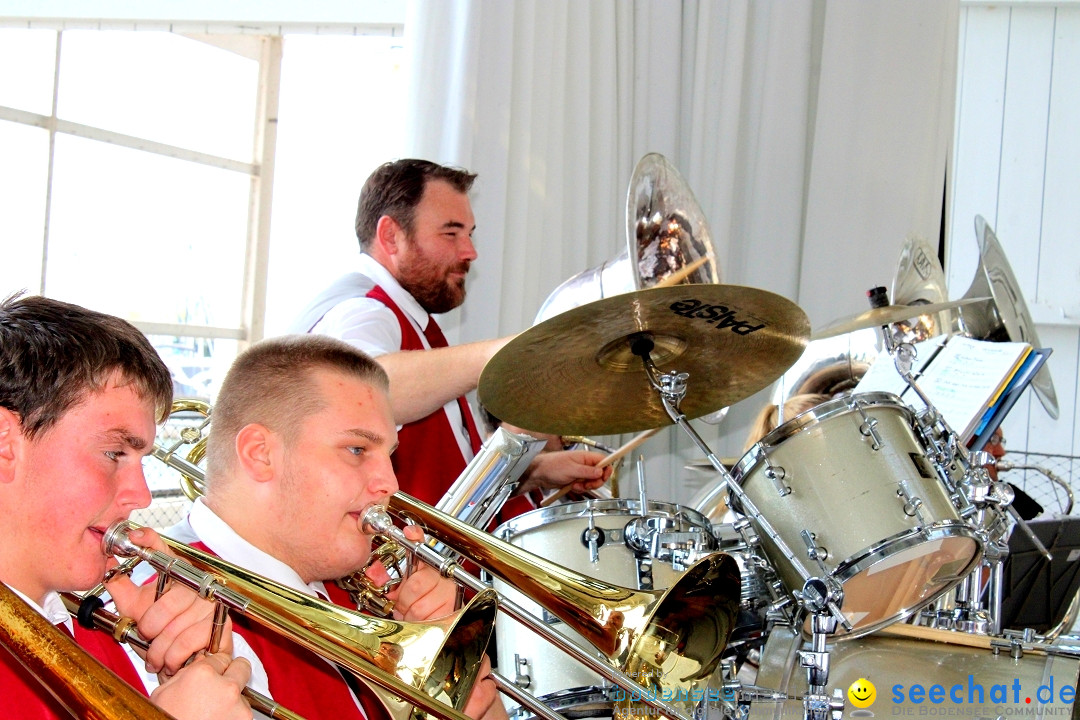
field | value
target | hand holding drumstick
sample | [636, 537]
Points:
[608, 460]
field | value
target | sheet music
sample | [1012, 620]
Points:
[966, 377]
[962, 379]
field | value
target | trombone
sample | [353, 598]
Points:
[428, 666]
[89, 611]
[78, 681]
[661, 647]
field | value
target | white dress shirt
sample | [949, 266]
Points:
[202, 524]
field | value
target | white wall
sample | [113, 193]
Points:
[1017, 163]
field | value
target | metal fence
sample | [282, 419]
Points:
[1048, 479]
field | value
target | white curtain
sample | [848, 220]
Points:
[813, 133]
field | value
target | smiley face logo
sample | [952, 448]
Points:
[862, 693]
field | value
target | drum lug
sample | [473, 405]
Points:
[912, 503]
[815, 552]
[776, 474]
[522, 680]
[593, 539]
[868, 428]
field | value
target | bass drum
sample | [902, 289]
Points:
[606, 539]
[923, 678]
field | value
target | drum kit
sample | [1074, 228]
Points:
[869, 540]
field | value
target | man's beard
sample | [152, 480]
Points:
[429, 285]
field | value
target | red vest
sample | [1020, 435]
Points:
[428, 459]
[299, 679]
[23, 697]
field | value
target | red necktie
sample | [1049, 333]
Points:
[436, 339]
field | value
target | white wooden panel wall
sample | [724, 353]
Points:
[1017, 163]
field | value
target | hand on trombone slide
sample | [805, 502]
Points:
[178, 624]
[177, 628]
[421, 593]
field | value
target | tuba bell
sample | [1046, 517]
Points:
[1004, 317]
[665, 233]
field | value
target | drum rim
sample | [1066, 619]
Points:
[815, 415]
[569, 698]
[599, 507]
[941, 530]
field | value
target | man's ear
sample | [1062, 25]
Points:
[388, 234]
[255, 445]
[10, 438]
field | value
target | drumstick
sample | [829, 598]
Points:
[678, 277]
[608, 460]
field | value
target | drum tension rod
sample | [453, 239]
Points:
[868, 428]
[912, 504]
[776, 474]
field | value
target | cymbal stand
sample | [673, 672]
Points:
[821, 595]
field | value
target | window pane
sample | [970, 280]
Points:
[27, 67]
[160, 86]
[146, 237]
[197, 365]
[23, 177]
[342, 113]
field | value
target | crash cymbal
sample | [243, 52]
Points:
[887, 315]
[576, 374]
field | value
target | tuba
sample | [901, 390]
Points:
[665, 233]
[667, 242]
[1004, 317]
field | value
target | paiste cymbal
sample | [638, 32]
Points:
[887, 315]
[575, 373]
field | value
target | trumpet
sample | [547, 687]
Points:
[81, 684]
[660, 647]
[417, 668]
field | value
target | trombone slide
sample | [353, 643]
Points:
[123, 630]
[319, 626]
[659, 644]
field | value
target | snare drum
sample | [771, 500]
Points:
[923, 678]
[850, 478]
[606, 539]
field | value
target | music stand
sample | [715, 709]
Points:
[1036, 591]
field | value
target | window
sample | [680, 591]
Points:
[140, 195]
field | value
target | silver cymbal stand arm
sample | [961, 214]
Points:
[672, 389]
[822, 596]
